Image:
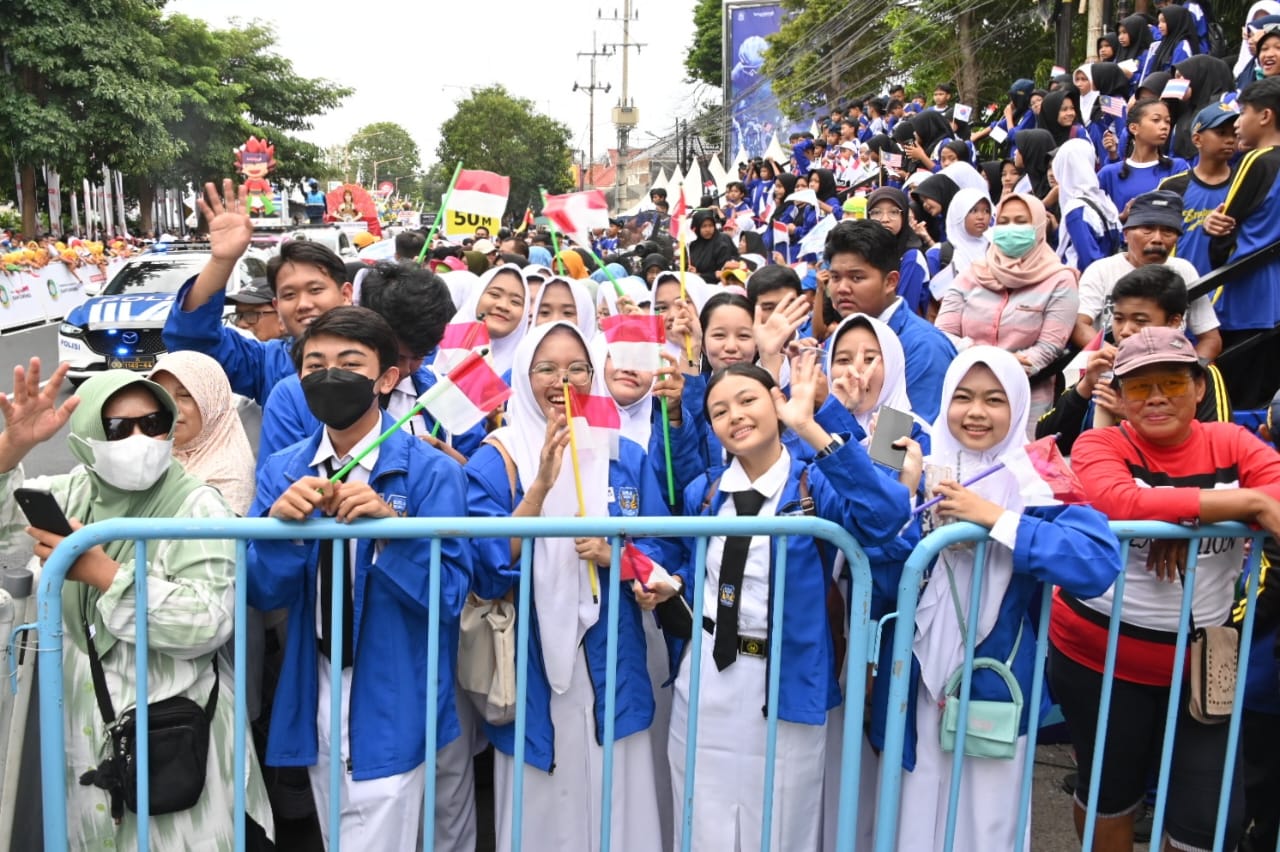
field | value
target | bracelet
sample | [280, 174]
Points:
[836, 443]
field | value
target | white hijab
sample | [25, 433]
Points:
[968, 248]
[582, 302]
[637, 418]
[461, 283]
[939, 641]
[1266, 7]
[1088, 100]
[698, 290]
[965, 176]
[502, 349]
[561, 586]
[633, 287]
[1074, 167]
[893, 390]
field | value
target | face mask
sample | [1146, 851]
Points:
[131, 464]
[1014, 240]
[338, 398]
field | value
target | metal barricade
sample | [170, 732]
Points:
[908, 596]
[861, 645]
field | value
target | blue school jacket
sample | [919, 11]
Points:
[252, 367]
[635, 492]
[1068, 546]
[388, 713]
[1088, 238]
[1199, 199]
[847, 490]
[1252, 299]
[688, 450]
[286, 418]
[929, 352]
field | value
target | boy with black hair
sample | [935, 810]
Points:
[864, 260]
[1204, 186]
[306, 279]
[347, 358]
[1151, 295]
[768, 285]
[1247, 221]
[735, 198]
[409, 245]
[415, 303]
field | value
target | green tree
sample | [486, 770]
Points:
[705, 59]
[78, 88]
[382, 151]
[494, 131]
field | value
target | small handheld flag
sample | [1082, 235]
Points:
[634, 340]
[466, 395]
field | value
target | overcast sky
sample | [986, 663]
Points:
[412, 62]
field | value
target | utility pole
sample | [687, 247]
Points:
[591, 96]
[625, 114]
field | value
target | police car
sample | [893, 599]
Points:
[121, 328]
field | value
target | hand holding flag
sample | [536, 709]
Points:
[634, 340]
[1044, 478]
[640, 568]
[466, 395]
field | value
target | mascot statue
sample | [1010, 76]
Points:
[255, 160]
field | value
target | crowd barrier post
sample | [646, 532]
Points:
[50, 627]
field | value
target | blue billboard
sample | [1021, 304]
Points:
[752, 108]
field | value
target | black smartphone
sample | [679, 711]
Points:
[891, 425]
[42, 511]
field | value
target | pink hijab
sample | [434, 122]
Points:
[997, 271]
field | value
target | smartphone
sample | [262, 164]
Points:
[42, 511]
[891, 425]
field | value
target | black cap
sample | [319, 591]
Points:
[255, 293]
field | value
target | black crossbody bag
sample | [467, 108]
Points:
[178, 735]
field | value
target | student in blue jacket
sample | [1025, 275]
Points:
[525, 470]
[1090, 227]
[744, 407]
[306, 278]
[416, 304]
[1035, 540]
[347, 357]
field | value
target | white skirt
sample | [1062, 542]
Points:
[562, 810]
[988, 787]
[728, 797]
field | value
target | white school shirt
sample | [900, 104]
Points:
[753, 598]
[1099, 279]
[404, 397]
[359, 473]
[891, 310]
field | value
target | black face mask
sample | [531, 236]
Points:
[338, 398]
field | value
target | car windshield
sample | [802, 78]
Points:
[158, 275]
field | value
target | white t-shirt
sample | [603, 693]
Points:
[1097, 282]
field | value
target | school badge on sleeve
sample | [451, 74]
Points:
[629, 501]
[398, 503]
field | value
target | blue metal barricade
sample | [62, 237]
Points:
[860, 651]
[908, 596]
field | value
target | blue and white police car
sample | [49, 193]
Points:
[120, 329]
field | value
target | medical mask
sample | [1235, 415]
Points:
[131, 464]
[338, 398]
[1014, 240]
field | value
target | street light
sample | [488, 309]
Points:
[377, 163]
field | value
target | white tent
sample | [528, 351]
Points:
[660, 182]
[675, 186]
[776, 152]
[719, 174]
[693, 186]
[741, 157]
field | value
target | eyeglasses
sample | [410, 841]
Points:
[1170, 386]
[889, 213]
[154, 425]
[251, 318]
[579, 372]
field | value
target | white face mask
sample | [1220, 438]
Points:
[131, 464]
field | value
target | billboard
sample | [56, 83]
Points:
[753, 112]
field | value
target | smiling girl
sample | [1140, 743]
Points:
[501, 300]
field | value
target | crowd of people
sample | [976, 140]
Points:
[973, 305]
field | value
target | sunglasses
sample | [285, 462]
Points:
[154, 425]
[1170, 387]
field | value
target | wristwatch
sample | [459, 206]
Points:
[836, 443]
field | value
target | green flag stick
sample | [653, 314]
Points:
[555, 243]
[617, 288]
[444, 207]
[396, 427]
[666, 446]
[435, 430]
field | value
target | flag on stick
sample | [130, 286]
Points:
[466, 395]
[482, 193]
[639, 567]
[634, 340]
[460, 339]
[577, 214]
[1044, 478]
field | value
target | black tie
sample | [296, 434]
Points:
[732, 567]
[326, 599]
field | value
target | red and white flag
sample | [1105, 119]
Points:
[596, 422]
[637, 566]
[466, 395]
[460, 340]
[481, 193]
[634, 340]
[678, 216]
[577, 214]
[1044, 478]
[780, 234]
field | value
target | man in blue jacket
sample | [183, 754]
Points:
[306, 278]
[864, 261]
[347, 358]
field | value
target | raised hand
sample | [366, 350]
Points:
[230, 228]
[773, 334]
[552, 456]
[31, 413]
[797, 411]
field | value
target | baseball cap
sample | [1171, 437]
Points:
[1155, 345]
[1214, 115]
[1159, 208]
[255, 293]
[484, 246]
[363, 239]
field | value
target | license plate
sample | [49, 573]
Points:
[138, 362]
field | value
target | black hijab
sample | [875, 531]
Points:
[1036, 147]
[932, 127]
[755, 243]
[1179, 26]
[1108, 79]
[1210, 79]
[906, 237]
[993, 171]
[1111, 39]
[788, 182]
[1153, 83]
[1138, 29]
[1049, 109]
[1020, 96]
[826, 190]
[709, 256]
[941, 189]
